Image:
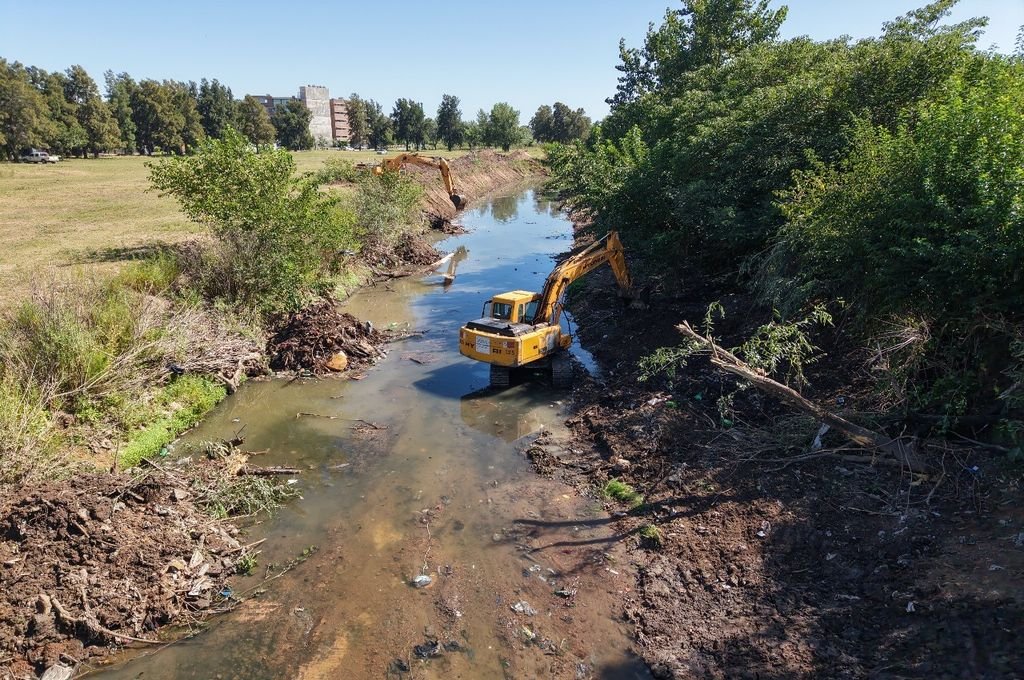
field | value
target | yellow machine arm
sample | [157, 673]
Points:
[606, 249]
[395, 164]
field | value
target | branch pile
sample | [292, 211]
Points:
[310, 338]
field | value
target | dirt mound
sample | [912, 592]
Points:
[92, 563]
[475, 175]
[309, 338]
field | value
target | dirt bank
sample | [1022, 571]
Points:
[777, 564]
[475, 175]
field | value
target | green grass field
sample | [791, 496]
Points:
[94, 214]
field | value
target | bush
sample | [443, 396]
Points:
[277, 236]
[385, 206]
[29, 444]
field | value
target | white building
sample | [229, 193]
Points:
[317, 99]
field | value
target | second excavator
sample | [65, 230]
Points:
[395, 165]
[523, 329]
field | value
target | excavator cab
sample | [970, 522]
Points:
[517, 306]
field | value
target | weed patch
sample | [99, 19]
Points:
[622, 492]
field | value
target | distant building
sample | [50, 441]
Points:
[318, 100]
[329, 121]
[271, 103]
[339, 121]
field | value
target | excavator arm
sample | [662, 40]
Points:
[395, 164]
[606, 249]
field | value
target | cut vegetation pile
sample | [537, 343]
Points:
[94, 562]
[310, 338]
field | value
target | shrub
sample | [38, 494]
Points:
[277, 236]
[385, 206]
[29, 444]
[622, 492]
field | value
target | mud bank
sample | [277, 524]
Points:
[771, 563]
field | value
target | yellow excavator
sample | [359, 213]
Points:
[522, 329]
[395, 165]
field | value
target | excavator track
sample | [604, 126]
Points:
[501, 376]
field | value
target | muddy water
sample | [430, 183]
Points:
[417, 470]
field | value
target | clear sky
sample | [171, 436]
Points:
[527, 52]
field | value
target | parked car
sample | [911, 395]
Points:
[382, 152]
[37, 156]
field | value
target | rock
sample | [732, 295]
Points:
[427, 649]
[400, 666]
[523, 607]
[422, 581]
[58, 672]
[621, 465]
[338, 362]
[179, 494]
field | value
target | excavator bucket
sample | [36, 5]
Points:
[458, 201]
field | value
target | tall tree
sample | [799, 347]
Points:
[252, 120]
[292, 124]
[158, 122]
[91, 112]
[703, 32]
[449, 121]
[503, 126]
[185, 96]
[430, 132]
[24, 117]
[67, 136]
[119, 96]
[407, 119]
[567, 125]
[541, 124]
[472, 134]
[216, 106]
[483, 126]
[380, 134]
[358, 127]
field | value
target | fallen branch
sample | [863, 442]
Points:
[862, 436]
[267, 471]
[89, 622]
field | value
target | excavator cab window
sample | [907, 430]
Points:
[502, 310]
[531, 311]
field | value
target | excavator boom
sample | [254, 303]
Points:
[606, 249]
[395, 164]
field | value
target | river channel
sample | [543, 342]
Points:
[417, 469]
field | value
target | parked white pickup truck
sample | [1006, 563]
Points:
[37, 156]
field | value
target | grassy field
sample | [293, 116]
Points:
[94, 214]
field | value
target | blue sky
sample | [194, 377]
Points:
[528, 52]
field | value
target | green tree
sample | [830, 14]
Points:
[407, 122]
[430, 132]
[483, 126]
[119, 96]
[542, 124]
[24, 116]
[292, 124]
[253, 122]
[100, 126]
[701, 33]
[216, 106]
[379, 125]
[449, 121]
[158, 122]
[185, 98]
[473, 134]
[359, 131]
[503, 126]
[567, 125]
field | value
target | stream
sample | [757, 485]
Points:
[417, 469]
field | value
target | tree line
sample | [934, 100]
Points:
[65, 113]
[885, 173]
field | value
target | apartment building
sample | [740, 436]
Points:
[339, 121]
[329, 121]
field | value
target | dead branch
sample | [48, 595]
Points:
[267, 471]
[862, 436]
